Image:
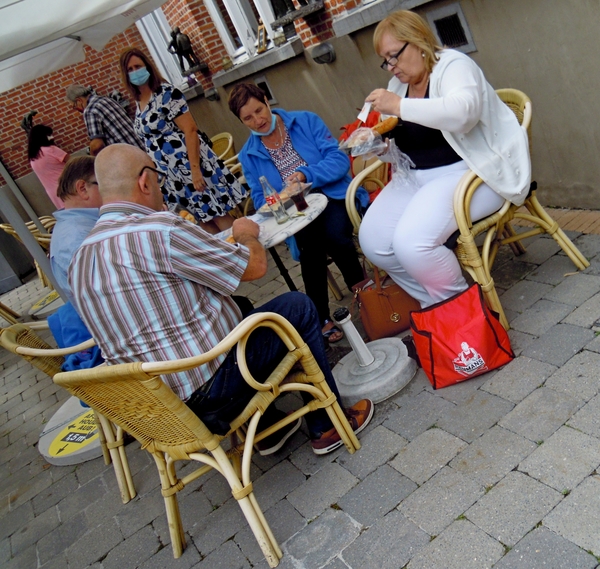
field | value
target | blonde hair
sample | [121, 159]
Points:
[409, 27]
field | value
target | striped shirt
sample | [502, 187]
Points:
[151, 286]
[106, 119]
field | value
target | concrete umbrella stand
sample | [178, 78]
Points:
[374, 370]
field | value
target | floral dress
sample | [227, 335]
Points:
[165, 144]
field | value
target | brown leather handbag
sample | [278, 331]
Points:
[384, 307]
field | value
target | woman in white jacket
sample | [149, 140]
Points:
[450, 120]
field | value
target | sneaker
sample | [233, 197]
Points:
[359, 416]
[275, 441]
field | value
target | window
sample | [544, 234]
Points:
[450, 27]
[237, 24]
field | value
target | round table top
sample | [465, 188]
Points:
[272, 234]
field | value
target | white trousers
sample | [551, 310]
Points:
[404, 231]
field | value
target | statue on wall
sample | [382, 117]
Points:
[181, 45]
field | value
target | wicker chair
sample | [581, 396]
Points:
[223, 145]
[21, 340]
[9, 314]
[134, 397]
[496, 229]
[48, 222]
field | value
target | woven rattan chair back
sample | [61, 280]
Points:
[18, 339]
[223, 145]
[134, 397]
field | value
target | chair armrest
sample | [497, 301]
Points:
[357, 181]
[22, 350]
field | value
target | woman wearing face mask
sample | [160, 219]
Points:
[288, 146]
[47, 160]
[196, 179]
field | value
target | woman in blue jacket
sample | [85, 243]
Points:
[290, 146]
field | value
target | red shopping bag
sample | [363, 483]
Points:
[459, 338]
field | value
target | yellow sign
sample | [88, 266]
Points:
[76, 435]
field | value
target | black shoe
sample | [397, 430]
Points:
[275, 441]
[411, 348]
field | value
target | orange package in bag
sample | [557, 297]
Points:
[459, 338]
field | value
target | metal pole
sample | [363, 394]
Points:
[24, 203]
[13, 217]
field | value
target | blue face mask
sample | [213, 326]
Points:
[270, 131]
[139, 76]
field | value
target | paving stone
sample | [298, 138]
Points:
[54, 543]
[575, 290]
[139, 513]
[422, 413]
[513, 507]
[82, 498]
[518, 379]
[540, 317]
[587, 419]
[519, 341]
[585, 315]
[564, 460]
[164, 558]
[30, 488]
[540, 414]
[543, 548]
[376, 495]
[552, 271]
[427, 454]
[228, 556]
[277, 483]
[216, 528]
[335, 563]
[388, 544]
[577, 517]
[440, 500]
[4, 550]
[322, 490]
[23, 559]
[523, 295]
[417, 384]
[540, 250]
[284, 521]
[55, 493]
[589, 245]
[472, 418]
[34, 530]
[140, 546]
[192, 507]
[464, 391]
[16, 519]
[594, 268]
[490, 457]
[559, 344]
[94, 545]
[320, 540]
[507, 274]
[378, 447]
[578, 377]
[594, 345]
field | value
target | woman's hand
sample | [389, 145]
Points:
[198, 181]
[385, 102]
[296, 177]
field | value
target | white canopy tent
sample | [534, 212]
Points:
[41, 36]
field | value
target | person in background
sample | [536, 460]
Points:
[196, 179]
[297, 146]
[106, 121]
[451, 119]
[47, 160]
[78, 189]
[166, 294]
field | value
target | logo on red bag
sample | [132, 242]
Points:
[468, 361]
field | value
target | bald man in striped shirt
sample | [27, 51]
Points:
[151, 286]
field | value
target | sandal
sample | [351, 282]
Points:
[333, 330]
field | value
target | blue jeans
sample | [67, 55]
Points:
[224, 397]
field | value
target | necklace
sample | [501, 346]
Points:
[278, 144]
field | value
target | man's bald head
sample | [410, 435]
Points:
[118, 169]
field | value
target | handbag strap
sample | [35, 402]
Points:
[377, 278]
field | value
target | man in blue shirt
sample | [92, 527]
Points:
[78, 188]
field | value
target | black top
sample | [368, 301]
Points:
[426, 146]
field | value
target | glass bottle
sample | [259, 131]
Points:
[274, 201]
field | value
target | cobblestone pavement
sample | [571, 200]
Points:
[499, 471]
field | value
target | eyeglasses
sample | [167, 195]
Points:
[394, 59]
[159, 175]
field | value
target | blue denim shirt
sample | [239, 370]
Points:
[72, 227]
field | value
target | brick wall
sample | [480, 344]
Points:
[101, 71]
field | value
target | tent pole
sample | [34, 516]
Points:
[24, 203]
[13, 217]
